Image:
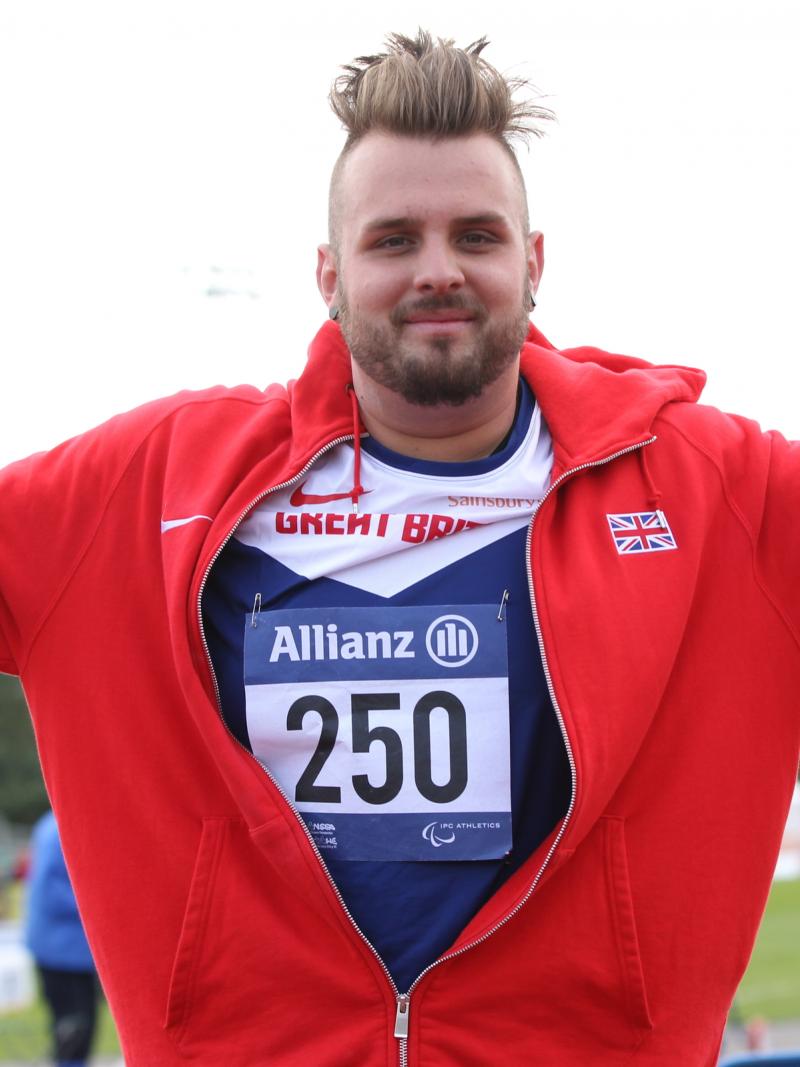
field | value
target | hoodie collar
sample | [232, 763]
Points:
[595, 403]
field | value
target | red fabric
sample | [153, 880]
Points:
[217, 934]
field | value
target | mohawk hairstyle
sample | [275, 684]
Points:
[423, 88]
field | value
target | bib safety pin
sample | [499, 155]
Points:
[256, 611]
[502, 609]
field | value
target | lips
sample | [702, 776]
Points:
[432, 315]
[439, 317]
[441, 320]
[438, 327]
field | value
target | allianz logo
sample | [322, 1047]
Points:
[450, 640]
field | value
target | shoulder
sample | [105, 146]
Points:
[45, 831]
[757, 472]
[733, 443]
[187, 416]
[196, 407]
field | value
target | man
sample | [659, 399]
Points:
[56, 939]
[431, 711]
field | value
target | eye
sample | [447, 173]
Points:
[395, 240]
[476, 238]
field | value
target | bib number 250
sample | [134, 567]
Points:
[364, 736]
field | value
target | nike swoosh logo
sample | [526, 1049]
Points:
[299, 498]
[170, 524]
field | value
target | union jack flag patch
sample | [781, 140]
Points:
[641, 531]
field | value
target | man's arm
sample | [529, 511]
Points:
[778, 551]
[760, 478]
[51, 505]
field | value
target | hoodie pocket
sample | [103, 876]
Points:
[624, 920]
[561, 983]
[195, 921]
[267, 968]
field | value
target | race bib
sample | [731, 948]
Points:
[387, 727]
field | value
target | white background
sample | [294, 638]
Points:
[153, 151]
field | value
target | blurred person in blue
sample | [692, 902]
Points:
[55, 937]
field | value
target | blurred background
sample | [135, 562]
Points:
[164, 189]
[165, 178]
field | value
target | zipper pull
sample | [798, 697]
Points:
[401, 1019]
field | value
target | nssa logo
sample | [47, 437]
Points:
[451, 641]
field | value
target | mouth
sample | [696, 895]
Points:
[440, 315]
[438, 327]
[439, 320]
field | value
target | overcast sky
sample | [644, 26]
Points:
[165, 169]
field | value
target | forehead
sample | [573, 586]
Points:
[389, 176]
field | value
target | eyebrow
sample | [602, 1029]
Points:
[404, 222]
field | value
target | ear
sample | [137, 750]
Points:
[535, 259]
[327, 274]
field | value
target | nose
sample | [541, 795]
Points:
[437, 268]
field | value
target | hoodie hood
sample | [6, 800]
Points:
[596, 403]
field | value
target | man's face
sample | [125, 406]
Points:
[433, 271]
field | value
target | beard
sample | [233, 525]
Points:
[437, 370]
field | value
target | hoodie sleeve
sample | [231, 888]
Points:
[51, 505]
[760, 477]
[778, 536]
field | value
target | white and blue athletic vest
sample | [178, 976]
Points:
[383, 666]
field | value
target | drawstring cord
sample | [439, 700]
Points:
[654, 494]
[358, 488]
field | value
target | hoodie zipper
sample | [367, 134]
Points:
[403, 1000]
[570, 756]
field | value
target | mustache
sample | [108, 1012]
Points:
[451, 302]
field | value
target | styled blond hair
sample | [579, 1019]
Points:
[425, 88]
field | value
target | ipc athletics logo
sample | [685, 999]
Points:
[451, 640]
[437, 838]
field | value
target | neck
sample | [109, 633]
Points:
[440, 432]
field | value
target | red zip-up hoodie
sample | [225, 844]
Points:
[674, 673]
